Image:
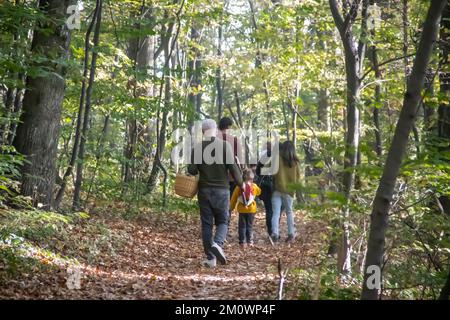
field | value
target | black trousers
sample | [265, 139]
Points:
[246, 227]
[266, 197]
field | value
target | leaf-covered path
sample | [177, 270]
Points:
[159, 257]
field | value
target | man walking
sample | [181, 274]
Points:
[214, 165]
[224, 134]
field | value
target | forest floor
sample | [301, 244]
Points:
[157, 256]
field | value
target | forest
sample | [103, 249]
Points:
[94, 93]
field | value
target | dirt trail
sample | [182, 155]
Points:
[160, 258]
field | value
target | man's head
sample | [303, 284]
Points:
[225, 123]
[209, 127]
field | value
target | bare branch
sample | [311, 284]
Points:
[372, 68]
[339, 21]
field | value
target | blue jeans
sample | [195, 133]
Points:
[214, 205]
[246, 227]
[286, 201]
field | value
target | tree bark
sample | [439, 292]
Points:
[323, 111]
[18, 103]
[39, 127]
[157, 164]
[444, 108]
[99, 153]
[161, 127]
[77, 137]
[377, 98]
[87, 110]
[384, 194]
[294, 128]
[258, 65]
[445, 292]
[140, 51]
[194, 66]
[354, 56]
[286, 120]
[405, 24]
[9, 107]
[219, 86]
[444, 78]
[12, 94]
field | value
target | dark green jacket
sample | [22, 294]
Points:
[215, 174]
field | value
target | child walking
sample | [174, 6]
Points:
[246, 206]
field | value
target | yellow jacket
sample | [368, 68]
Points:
[241, 208]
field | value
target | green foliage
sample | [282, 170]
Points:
[325, 283]
[9, 171]
[32, 225]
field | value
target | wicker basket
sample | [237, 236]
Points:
[186, 186]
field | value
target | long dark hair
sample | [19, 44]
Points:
[287, 153]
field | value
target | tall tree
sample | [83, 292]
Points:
[219, 85]
[194, 70]
[444, 108]
[408, 114]
[373, 55]
[87, 109]
[168, 42]
[445, 292]
[141, 52]
[81, 106]
[354, 52]
[39, 127]
[444, 77]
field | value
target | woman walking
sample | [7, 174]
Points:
[283, 195]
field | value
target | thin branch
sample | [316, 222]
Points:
[372, 68]
[336, 15]
[405, 208]
[351, 16]
[313, 132]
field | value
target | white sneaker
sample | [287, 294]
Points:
[218, 252]
[210, 263]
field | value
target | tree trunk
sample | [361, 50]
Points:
[444, 78]
[39, 127]
[140, 51]
[87, 110]
[167, 46]
[9, 108]
[238, 110]
[18, 103]
[445, 292]
[384, 194]
[294, 128]
[258, 65]
[405, 24]
[444, 109]
[354, 56]
[77, 137]
[286, 120]
[99, 152]
[323, 111]
[377, 98]
[157, 164]
[195, 65]
[219, 86]
[12, 93]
